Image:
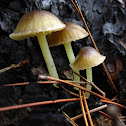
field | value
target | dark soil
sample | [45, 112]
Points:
[107, 23]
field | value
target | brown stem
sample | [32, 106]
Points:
[14, 66]
[106, 115]
[114, 98]
[82, 108]
[70, 92]
[37, 104]
[106, 101]
[91, 111]
[69, 119]
[41, 82]
[87, 109]
[74, 85]
[25, 83]
[92, 84]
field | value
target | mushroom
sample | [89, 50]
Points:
[39, 23]
[87, 58]
[71, 32]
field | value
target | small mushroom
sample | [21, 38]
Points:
[87, 58]
[71, 32]
[39, 23]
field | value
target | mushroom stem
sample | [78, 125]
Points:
[47, 56]
[89, 78]
[71, 57]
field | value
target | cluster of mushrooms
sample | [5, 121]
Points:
[41, 23]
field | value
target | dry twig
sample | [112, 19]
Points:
[14, 66]
[40, 82]
[70, 92]
[106, 115]
[82, 108]
[92, 84]
[106, 101]
[25, 83]
[87, 109]
[75, 85]
[91, 111]
[37, 104]
[69, 119]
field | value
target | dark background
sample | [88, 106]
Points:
[106, 20]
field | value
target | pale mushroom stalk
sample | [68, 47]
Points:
[89, 78]
[87, 58]
[40, 23]
[71, 57]
[47, 55]
[71, 33]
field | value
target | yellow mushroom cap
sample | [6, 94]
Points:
[35, 22]
[71, 32]
[87, 57]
